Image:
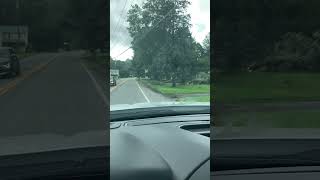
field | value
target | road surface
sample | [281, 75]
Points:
[56, 94]
[129, 91]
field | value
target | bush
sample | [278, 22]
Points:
[294, 52]
[201, 78]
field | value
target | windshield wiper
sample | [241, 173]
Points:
[141, 113]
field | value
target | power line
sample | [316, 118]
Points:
[121, 40]
[123, 52]
[116, 27]
[148, 31]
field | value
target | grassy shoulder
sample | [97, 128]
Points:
[25, 55]
[99, 59]
[195, 93]
[97, 64]
[259, 88]
[267, 87]
[205, 98]
[281, 119]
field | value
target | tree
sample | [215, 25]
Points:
[161, 38]
[249, 29]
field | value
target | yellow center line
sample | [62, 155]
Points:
[24, 76]
[112, 89]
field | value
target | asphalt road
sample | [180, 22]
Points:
[55, 94]
[129, 91]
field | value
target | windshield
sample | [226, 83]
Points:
[52, 92]
[267, 68]
[159, 51]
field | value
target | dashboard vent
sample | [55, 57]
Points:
[202, 129]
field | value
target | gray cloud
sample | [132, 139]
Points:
[201, 27]
[204, 5]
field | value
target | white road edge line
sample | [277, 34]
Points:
[143, 93]
[97, 86]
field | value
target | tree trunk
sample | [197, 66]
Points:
[174, 80]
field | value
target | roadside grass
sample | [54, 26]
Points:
[282, 119]
[185, 93]
[167, 89]
[267, 87]
[195, 99]
[24, 55]
[97, 63]
[99, 59]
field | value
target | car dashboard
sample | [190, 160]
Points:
[281, 173]
[264, 153]
[171, 148]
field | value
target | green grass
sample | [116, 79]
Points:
[100, 59]
[282, 119]
[24, 55]
[267, 87]
[195, 99]
[167, 89]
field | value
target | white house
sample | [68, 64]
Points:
[14, 36]
[114, 73]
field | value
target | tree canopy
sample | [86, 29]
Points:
[248, 31]
[80, 22]
[162, 42]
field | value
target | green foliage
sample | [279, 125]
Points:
[162, 42]
[124, 67]
[249, 29]
[293, 52]
[52, 22]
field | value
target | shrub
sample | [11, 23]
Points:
[293, 52]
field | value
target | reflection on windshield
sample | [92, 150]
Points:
[268, 68]
[163, 55]
[52, 88]
[54, 83]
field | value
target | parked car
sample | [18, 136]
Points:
[9, 62]
[113, 81]
[66, 46]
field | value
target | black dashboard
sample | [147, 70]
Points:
[265, 153]
[171, 148]
[281, 173]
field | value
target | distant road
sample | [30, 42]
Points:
[129, 91]
[54, 94]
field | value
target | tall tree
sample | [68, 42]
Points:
[161, 38]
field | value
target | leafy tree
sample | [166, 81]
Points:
[162, 41]
[249, 31]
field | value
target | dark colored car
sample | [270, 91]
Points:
[66, 46]
[9, 62]
[113, 81]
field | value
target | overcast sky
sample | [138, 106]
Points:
[120, 39]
